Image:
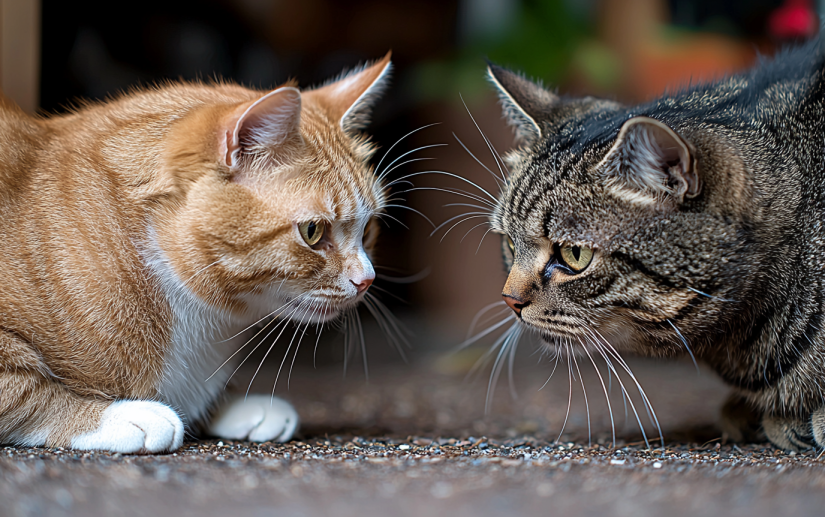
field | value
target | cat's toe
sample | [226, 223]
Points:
[788, 433]
[258, 418]
[134, 426]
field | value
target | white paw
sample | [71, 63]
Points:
[258, 418]
[134, 426]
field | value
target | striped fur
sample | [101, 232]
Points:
[725, 264]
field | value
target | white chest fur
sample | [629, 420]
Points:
[194, 374]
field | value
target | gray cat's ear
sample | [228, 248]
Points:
[524, 102]
[650, 162]
[349, 99]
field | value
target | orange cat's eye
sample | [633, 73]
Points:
[312, 231]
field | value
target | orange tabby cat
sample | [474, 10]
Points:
[141, 233]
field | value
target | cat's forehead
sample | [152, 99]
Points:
[553, 193]
[338, 170]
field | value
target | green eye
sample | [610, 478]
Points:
[312, 231]
[511, 245]
[575, 257]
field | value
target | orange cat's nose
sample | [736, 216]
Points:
[514, 304]
[363, 285]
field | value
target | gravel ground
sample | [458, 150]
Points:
[415, 440]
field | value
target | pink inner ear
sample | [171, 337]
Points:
[263, 125]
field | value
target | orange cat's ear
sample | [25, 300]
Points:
[349, 99]
[258, 128]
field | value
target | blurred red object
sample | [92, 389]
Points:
[796, 19]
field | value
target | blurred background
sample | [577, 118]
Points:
[53, 52]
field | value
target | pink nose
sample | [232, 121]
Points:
[366, 282]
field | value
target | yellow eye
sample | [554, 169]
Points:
[312, 231]
[575, 257]
[511, 245]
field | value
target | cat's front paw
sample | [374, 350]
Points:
[258, 418]
[134, 426]
[789, 433]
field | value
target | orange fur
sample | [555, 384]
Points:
[134, 237]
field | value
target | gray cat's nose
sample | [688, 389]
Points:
[514, 304]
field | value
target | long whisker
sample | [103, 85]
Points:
[400, 328]
[461, 221]
[493, 328]
[384, 327]
[456, 192]
[451, 175]
[496, 176]
[625, 395]
[378, 167]
[496, 157]
[482, 238]
[286, 354]
[697, 291]
[648, 406]
[498, 364]
[685, 343]
[471, 229]
[406, 279]
[555, 365]
[606, 396]
[382, 216]
[586, 404]
[484, 310]
[320, 332]
[271, 314]
[468, 205]
[569, 391]
[390, 167]
[274, 342]
[412, 210]
[407, 162]
[459, 216]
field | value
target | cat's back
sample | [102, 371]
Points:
[20, 138]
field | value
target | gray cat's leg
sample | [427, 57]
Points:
[791, 433]
[740, 422]
[818, 425]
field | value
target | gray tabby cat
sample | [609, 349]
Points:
[693, 223]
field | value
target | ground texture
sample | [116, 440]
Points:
[415, 440]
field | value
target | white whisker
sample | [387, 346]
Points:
[378, 167]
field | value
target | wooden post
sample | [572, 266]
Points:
[20, 52]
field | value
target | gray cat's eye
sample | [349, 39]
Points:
[577, 258]
[511, 245]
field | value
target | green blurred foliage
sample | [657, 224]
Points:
[539, 38]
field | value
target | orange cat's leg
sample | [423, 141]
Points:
[258, 418]
[36, 409]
